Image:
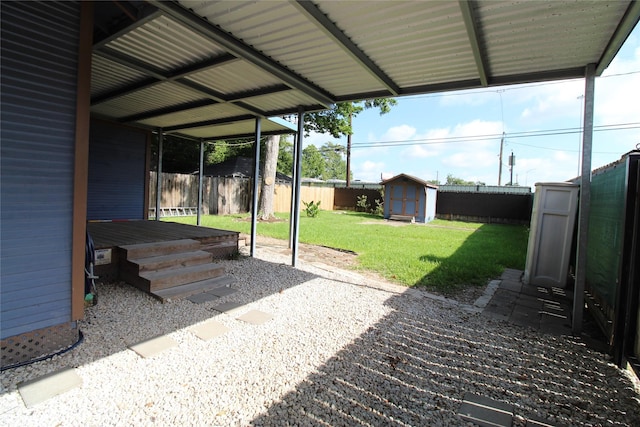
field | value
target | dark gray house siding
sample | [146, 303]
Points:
[38, 79]
[117, 172]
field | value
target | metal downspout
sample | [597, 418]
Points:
[585, 200]
[254, 196]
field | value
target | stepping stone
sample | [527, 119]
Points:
[209, 330]
[203, 297]
[486, 412]
[50, 385]
[153, 346]
[256, 317]
[227, 307]
[222, 291]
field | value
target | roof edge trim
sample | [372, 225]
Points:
[627, 24]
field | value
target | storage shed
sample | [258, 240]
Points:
[407, 198]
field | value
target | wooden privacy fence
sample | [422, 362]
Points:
[224, 196]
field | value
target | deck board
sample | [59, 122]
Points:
[112, 234]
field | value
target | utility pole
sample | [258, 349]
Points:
[500, 164]
[512, 163]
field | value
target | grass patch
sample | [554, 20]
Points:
[442, 256]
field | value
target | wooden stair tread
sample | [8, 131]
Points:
[159, 274]
[144, 250]
[172, 260]
[186, 290]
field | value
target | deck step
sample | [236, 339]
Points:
[156, 280]
[145, 250]
[222, 248]
[161, 262]
[189, 289]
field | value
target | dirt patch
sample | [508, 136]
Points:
[348, 260]
[311, 253]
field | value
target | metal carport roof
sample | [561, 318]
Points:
[206, 69]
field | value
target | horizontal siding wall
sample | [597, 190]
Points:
[38, 81]
[117, 157]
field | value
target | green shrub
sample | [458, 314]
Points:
[312, 208]
[379, 209]
[362, 204]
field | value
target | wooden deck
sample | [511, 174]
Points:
[112, 234]
[109, 237]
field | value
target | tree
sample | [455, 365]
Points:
[285, 156]
[312, 162]
[452, 180]
[268, 178]
[335, 166]
[336, 121]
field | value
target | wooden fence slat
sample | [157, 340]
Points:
[225, 196]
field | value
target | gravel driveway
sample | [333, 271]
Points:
[341, 349]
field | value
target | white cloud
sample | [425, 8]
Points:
[369, 171]
[543, 102]
[399, 133]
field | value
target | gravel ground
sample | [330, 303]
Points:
[342, 349]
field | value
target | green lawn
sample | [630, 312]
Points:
[442, 255]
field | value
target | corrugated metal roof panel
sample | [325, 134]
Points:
[404, 32]
[566, 33]
[236, 128]
[165, 44]
[279, 101]
[299, 45]
[240, 127]
[211, 112]
[234, 77]
[158, 96]
[327, 51]
[107, 75]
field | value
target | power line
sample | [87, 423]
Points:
[490, 137]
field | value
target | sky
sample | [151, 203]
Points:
[459, 133]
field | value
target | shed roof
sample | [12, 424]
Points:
[410, 178]
[207, 69]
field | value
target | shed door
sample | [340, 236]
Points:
[404, 200]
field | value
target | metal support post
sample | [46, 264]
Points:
[200, 175]
[585, 201]
[294, 174]
[254, 195]
[297, 162]
[160, 137]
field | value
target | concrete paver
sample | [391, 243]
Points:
[153, 346]
[209, 330]
[486, 412]
[256, 317]
[540, 308]
[50, 385]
